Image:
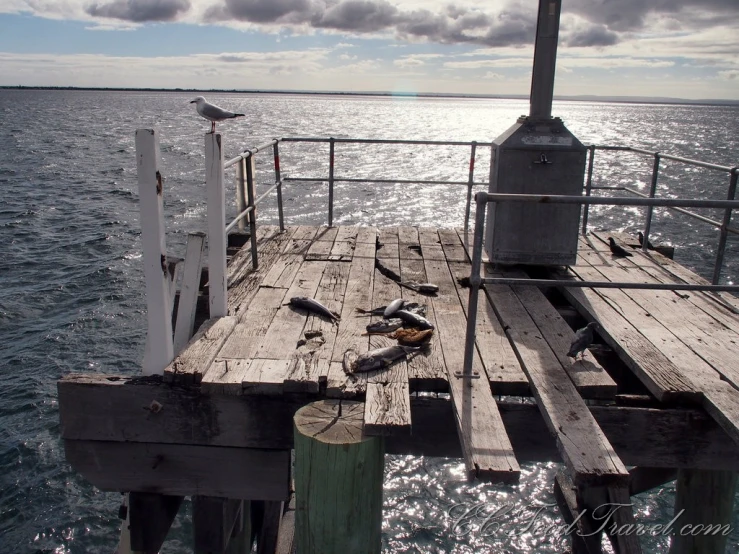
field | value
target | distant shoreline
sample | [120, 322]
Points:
[583, 98]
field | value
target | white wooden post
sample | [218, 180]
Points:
[216, 197]
[189, 292]
[159, 349]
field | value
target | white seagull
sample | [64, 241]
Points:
[212, 112]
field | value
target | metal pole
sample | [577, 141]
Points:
[249, 169]
[240, 194]
[588, 189]
[724, 228]
[331, 183]
[545, 59]
[469, 344]
[517, 281]
[470, 182]
[278, 180]
[650, 209]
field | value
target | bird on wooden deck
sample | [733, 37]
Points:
[583, 338]
[212, 112]
[640, 235]
[617, 250]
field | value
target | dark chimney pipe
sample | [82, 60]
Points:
[545, 59]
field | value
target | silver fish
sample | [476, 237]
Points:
[426, 288]
[393, 307]
[384, 326]
[414, 319]
[313, 306]
[376, 359]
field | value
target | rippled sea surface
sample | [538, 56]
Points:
[71, 282]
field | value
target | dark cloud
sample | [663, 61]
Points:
[597, 35]
[140, 11]
[633, 15]
[357, 15]
[268, 11]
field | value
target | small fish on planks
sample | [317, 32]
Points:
[617, 250]
[412, 337]
[376, 359]
[384, 326]
[414, 319]
[413, 307]
[314, 306]
[583, 338]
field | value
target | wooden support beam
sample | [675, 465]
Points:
[216, 198]
[213, 522]
[182, 470]
[643, 479]
[183, 329]
[286, 538]
[100, 407]
[269, 530]
[338, 480]
[704, 508]
[150, 517]
[241, 537]
[582, 533]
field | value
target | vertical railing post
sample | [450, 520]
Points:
[278, 180]
[247, 165]
[240, 197]
[652, 193]
[159, 348]
[216, 198]
[724, 228]
[470, 181]
[481, 199]
[331, 182]
[588, 189]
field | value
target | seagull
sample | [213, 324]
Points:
[212, 112]
[641, 241]
[583, 338]
[617, 250]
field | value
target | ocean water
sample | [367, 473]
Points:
[71, 282]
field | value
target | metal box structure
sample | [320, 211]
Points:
[535, 156]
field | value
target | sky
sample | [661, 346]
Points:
[646, 48]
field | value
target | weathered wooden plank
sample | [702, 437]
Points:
[240, 263]
[265, 376]
[498, 357]
[487, 449]
[428, 235]
[200, 352]
[189, 293]
[407, 235]
[583, 446]
[652, 367]
[322, 244]
[283, 270]
[588, 376]
[99, 407]
[721, 402]
[183, 470]
[367, 235]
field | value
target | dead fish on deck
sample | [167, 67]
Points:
[413, 307]
[423, 288]
[393, 307]
[313, 306]
[384, 326]
[414, 319]
[376, 359]
[583, 338]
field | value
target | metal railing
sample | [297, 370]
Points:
[483, 198]
[724, 225]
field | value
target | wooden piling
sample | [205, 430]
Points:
[216, 196]
[706, 500]
[338, 480]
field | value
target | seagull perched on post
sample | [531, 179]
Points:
[583, 338]
[212, 112]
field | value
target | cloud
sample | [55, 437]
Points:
[594, 35]
[729, 74]
[139, 11]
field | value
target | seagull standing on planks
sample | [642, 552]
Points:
[212, 112]
[583, 338]
[617, 250]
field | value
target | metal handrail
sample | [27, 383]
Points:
[483, 198]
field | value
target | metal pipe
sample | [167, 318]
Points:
[383, 141]
[724, 226]
[545, 59]
[230, 227]
[331, 183]
[249, 153]
[616, 201]
[382, 181]
[513, 281]
[688, 161]
[278, 180]
[650, 209]
[588, 188]
[240, 194]
[470, 184]
[250, 188]
[469, 342]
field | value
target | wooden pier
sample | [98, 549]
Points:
[657, 393]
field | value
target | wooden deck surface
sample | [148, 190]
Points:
[678, 345]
